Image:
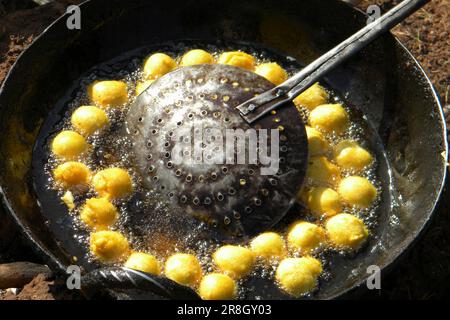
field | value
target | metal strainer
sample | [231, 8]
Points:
[233, 199]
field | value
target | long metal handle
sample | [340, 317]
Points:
[255, 108]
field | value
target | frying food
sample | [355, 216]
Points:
[312, 97]
[141, 86]
[71, 174]
[322, 201]
[69, 145]
[329, 118]
[184, 269]
[298, 276]
[196, 56]
[235, 261]
[89, 119]
[323, 172]
[143, 262]
[109, 246]
[351, 156]
[217, 286]
[345, 231]
[272, 72]
[317, 144]
[110, 93]
[306, 237]
[238, 59]
[112, 183]
[357, 191]
[157, 65]
[99, 213]
[268, 245]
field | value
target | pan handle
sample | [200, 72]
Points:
[125, 278]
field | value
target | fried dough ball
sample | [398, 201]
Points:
[317, 144]
[89, 119]
[98, 213]
[268, 245]
[329, 118]
[272, 72]
[345, 231]
[306, 237]
[69, 145]
[108, 93]
[109, 246]
[321, 201]
[323, 172]
[142, 86]
[357, 191]
[312, 97]
[351, 156]
[157, 65]
[143, 262]
[237, 59]
[72, 173]
[184, 269]
[196, 56]
[298, 276]
[235, 261]
[217, 286]
[112, 183]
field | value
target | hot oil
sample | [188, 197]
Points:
[146, 219]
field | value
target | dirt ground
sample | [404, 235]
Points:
[424, 273]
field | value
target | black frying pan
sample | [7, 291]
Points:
[384, 81]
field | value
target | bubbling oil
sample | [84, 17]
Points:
[149, 223]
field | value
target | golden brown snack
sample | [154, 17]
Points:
[306, 237]
[312, 97]
[216, 286]
[184, 269]
[196, 56]
[329, 118]
[357, 191]
[157, 65]
[112, 183]
[322, 172]
[268, 245]
[349, 155]
[70, 174]
[99, 213]
[108, 93]
[109, 246]
[143, 262]
[235, 261]
[272, 72]
[89, 119]
[69, 145]
[238, 59]
[321, 201]
[345, 231]
[317, 144]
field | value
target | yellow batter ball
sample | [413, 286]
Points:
[98, 213]
[312, 97]
[272, 72]
[216, 286]
[329, 118]
[317, 144]
[351, 156]
[108, 93]
[143, 262]
[306, 237]
[184, 269]
[322, 172]
[112, 183]
[157, 65]
[69, 145]
[71, 174]
[237, 59]
[298, 276]
[268, 245]
[357, 191]
[142, 86]
[109, 246]
[234, 260]
[196, 56]
[321, 201]
[346, 231]
[89, 119]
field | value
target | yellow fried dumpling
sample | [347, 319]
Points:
[357, 191]
[72, 173]
[237, 59]
[317, 144]
[268, 245]
[143, 262]
[305, 237]
[112, 183]
[69, 145]
[157, 65]
[184, 269]
[298, 276]
[108, 93]
[322, 172]
[216, 286]
[98, 213]
[329, 118]
[350, 155]
[196, 56]
[272, 72]
[345, 231]
[142, 86]
[89, 119]
[109, 246]
[235, 261]
[312, 97]
[321, 201]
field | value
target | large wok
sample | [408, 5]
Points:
[384, 81]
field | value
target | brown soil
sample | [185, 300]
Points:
[424, 273]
